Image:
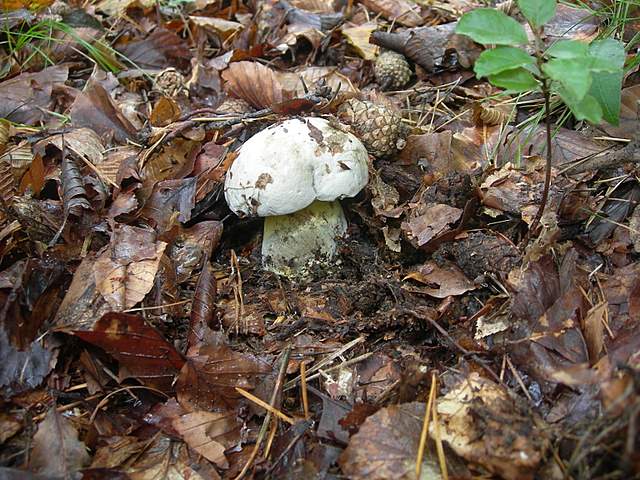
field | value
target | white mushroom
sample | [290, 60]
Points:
[293, 173]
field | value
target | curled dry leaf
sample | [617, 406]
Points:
[429, 46]
[74, 195]
[485, 425]
[386, 446]
[440, 282]
[125, 270]
[255, 83]
[57, 451]
[173, 161]
[203, 306]
[209, 433]
[403, 12]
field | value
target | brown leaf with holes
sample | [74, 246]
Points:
[57, 451]
[138, 347]
[210, 433]
[255, 83]
[126, 269]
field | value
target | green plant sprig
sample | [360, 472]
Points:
[586, 76]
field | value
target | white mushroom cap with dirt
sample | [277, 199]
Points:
[294, 173]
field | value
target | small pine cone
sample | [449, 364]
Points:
[378, 127]
[170, 82]
[392, 70]
[232, 105]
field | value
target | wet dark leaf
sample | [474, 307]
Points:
[140, 348]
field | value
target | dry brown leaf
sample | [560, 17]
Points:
[82, 305]
[219, 26]
[94, 108]
[125, 271]
[434, 220]
[440, 282]
[209, 433]
[594, 330]
[117, 451]
[386, 446]
[172, 162]
[255, 83]
[118, 7]
[57, 452]
[26, 98]
[163, 459]
[358, 38]
[84, 142]
[165, 111]
[483, 424]
[403, 12]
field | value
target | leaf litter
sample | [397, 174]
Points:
[140, 337]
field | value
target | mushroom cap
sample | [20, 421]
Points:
[289, 165]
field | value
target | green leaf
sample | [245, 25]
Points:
[490, 26]
[537, 12]
[518, 80]
[573, 74]
[607, 55]
[586, 109]
[606, 89]
[500, 59]
[568, 49]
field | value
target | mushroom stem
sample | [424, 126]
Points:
[291, 243]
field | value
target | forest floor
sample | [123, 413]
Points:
[141, 337]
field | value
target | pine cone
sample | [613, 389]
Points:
[378, 127]
[392, 70]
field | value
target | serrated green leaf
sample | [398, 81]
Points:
[490, 26]
[537, 12]
[607, 55]
[606, 89]
[573, 74]
[500, 59]
[518, 80]
[568, 49]
[586, 109]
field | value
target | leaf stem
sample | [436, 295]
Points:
[546, 91]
